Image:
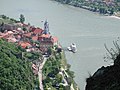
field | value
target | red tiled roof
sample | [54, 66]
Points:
[27, 34]
[37, 31]
[45, 36]
[24, 44]
[32, 28]
[35, 38]
[1, 36]
[55, 39]
[5, 36]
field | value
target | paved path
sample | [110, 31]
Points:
[40, 73]
[72, 87]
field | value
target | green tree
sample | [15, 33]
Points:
[22, 18]
[49, 51]
[4, 17]
[59, 78]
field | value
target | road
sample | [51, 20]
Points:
[40, 73]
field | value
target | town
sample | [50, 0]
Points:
[35, 39]
[28, 37]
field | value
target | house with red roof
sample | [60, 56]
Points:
[37, 31]
[46, 41]
[2, 35]
[44, 37]
[54, 40]
[25, 44]
[35, 38]
[27, 34]
[25, 38]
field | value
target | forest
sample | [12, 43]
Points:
[15, 68]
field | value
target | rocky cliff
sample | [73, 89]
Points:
[105, 78]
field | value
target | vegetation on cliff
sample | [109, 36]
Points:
[8, 20]
[107, 78]
[56, 73]
[15, 68]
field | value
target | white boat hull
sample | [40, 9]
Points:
[72, 48]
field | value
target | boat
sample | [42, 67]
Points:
[72, 48]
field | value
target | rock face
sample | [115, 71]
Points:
[105, 78]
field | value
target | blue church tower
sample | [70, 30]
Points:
[46, 27]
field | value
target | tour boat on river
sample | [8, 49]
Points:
[72, 48]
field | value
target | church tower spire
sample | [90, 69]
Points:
[46, 27]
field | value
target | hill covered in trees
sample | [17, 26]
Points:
[15, 68]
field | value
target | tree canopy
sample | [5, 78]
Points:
[15, 71]
[22, 18]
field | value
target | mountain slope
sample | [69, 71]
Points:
[15, 70]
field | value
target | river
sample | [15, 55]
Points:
[87, 29]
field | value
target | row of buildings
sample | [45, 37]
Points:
[28, 37]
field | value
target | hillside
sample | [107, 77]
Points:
[57, 74]
[7, 20]
[15, 69]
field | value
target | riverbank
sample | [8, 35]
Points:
[116, 17]
[101, 7]
[58, 75]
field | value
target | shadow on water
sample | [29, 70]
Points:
[65, 49]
